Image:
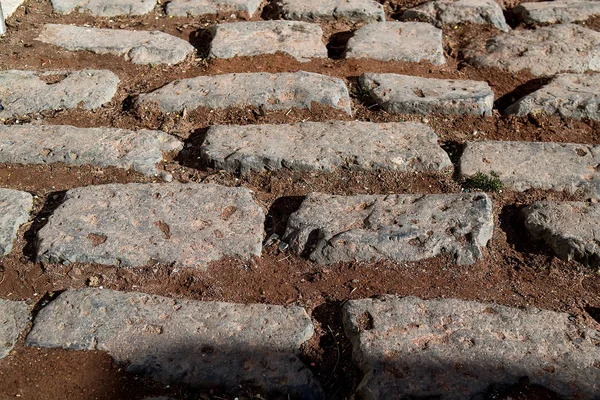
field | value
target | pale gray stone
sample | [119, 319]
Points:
[197, 343]
[397, 41]
[535, 165]
[186, 225]
[14, 212]
[268, 91]
[453, 349]
[301, 40]
[544, 51]
[391, 227]
[140, 47]
[315, 146]
[451, 12]
[567, 95]
[10, 6]
[104, 8]
[559, 11]
[14, 317]
[26, 92]
[183, 8]
[140, 151]
[345, 10]
[404, 94]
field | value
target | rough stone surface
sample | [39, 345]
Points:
[25, 92]
[553, 12]
[183, 8]
[140, 47]
[453, 349]
[568, 95]
[404, 147]
[345, 10]
[268, 91]
[450, 12]
[104, 8]
[10, 6]
[526, 165]
[14, 317]
[202, 344]
[391, 227]
[141, 151]
[570, 228]
[134, 224]
[301, 40]
[544, 51]
[14, 212]
[397, 41]
[404, 94]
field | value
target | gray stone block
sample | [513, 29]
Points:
[26, 92]
[183, 8]
[353, 11]
[404, 94]
[406, 147]
[391, 227]
[201, 344]
[104, 8]
[14, 318]
[451, 12]
[452, 349]
[14, 212]
[559, 11]
[10, 6]
[187, 225]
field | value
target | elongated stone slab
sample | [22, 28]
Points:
[14, 317]
[104, 8]
[141, 151]
[403, 147]
[140, 47]
[446, 12]
[345, 10]
[301, 40]
[26, 92]
[568, 95]
[559, 11]
[544, 51]
[269, 91]
[14, 212]
[404, 94]
[391, 227]
[452, 349]
[183, 8]
[134, 224]
[397, 41]
[535, 165]
[197, 343]
[570, 229]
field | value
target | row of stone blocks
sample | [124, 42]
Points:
[405, 347]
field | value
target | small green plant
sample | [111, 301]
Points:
[487, 183]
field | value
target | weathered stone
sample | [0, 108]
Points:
[14, 317]
[452, 349]
[25, 92]
[301, 40]
[544, 51]
[104, 8]
[559, 11]
[404, 94]
[14, 212]
[403, 147]
[134, 224]
[141, 151]
[202, 344]
[184, 8]
[446, 12]
[535, 165]
[570, 228]
[268, 91]
[140, 47]
[397, 41]
[10, 6]
[345, 10]
[391, 227]
[568, 95]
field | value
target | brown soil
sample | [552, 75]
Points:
[515, 271]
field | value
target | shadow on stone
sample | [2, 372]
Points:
[336, 47]
[53, 201]
[279, 213]
[201, 40]
[520, 91]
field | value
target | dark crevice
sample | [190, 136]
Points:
[53, 201]
[201, 40]
[336, 47]
[279, 213]
[454, 150]
[191, 155]
[512, 222]
[520, 91]
[594, 312]
[271, 11]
